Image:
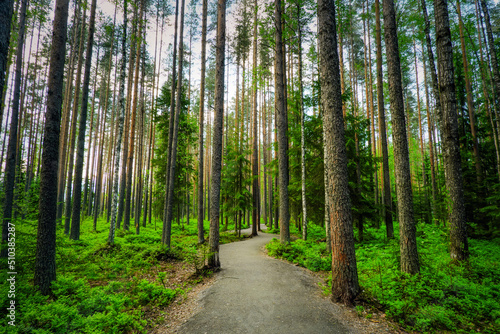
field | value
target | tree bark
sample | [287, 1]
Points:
[430, 131]
[130, 159]
[470, 103]
[302, 130]
[280, 106]
[486, 96]
[491, 47]
[255, 149]
[6, 11]
[430, 54]
[407, 228]
[167, 223]
[345, 285]
[12, 149]
[123, 177]
[171, 115]
[201, 236]
[77, 22]
[45, 261]
[77, 186]
[121, 116]
[386, 178]
[213, 260]
[72, 141]
[451, 147]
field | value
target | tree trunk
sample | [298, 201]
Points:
[302, 131]
[172, 115]
[6, 11]
[451, 149]
[386, 178]
[280, 106]
[493, 54]
[123, 177]
[69, 180]
[430, 54]
[130, 159]
[213, 260]
[372, 108]
[407, 228]
[121, 116]
[98, 186]
[486, 96]
[255, 149]
[430, 131]
[201, 236]
[77, 187]
[45, 261]
[77, 23]
[12, 150]
[470, 103]
[167, 223]
[345, 285]
[420, 129]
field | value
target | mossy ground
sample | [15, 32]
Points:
[102, 288]
[445, 297]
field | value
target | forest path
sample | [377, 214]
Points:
[255, 293]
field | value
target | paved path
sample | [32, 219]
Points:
[254, 293]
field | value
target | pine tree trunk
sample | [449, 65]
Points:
[121, 116]
[12, 151]
[6, 11]
[72, 141]
[130, 159]
[420, 129]
[269, 159]
[280, 106]
[430, 127]
[213, 260]
[123, 177]
[77, 22]
[92, 162]
[372, 108]
[345, 285]
[255, 149]
[77, 186]
[171, 115]
[452, 161]
[98, 186]
[149, 174]
[386, 178]
[45, 261]
[167, 223]
[430, 54]
[201, 237]
[139, 178]
[486, 96]
[493, 54]
[470, 103]
[407, 228]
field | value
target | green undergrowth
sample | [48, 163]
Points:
[445, 297]
[310, 254]
[102, 288]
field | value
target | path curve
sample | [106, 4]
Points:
[254, 293]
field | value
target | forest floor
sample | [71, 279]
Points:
[254, 293]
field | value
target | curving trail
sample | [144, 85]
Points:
[254, 293]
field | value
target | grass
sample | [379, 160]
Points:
[444, 297]
[123, 288]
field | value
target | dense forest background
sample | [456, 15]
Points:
[137, 134]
